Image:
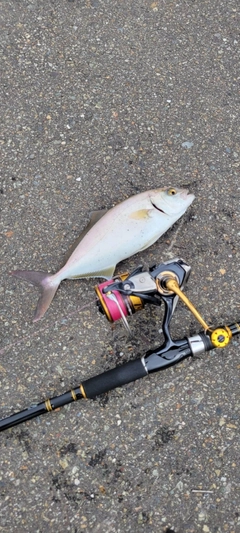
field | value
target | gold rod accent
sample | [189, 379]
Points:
[48, 405]
[82, 391]
[172, 285]
[73, 395]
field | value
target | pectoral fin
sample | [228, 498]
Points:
[94, 218]
[140, 214]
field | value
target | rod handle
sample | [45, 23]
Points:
[121, 375]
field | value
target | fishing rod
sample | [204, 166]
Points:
[122, 297]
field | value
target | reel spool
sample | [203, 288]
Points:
[117, 305]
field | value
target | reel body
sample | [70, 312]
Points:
[125, 295]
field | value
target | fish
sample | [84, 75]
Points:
[110, 237]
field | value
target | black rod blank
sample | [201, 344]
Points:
[90, 388]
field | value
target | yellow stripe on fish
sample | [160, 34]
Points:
[139, 215]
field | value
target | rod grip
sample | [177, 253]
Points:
[114, 378]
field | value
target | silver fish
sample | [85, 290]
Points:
[110, 237]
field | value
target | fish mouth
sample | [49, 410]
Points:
[184, 193]
[158, 208]
[189, 197]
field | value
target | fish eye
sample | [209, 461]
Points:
[172, 191]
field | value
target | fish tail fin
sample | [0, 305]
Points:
[47, 285]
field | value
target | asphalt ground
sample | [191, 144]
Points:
[101, 100]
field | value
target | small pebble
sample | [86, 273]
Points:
[187, 144]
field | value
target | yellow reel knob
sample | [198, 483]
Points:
[220, 337]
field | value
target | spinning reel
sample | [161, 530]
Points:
[127, 294]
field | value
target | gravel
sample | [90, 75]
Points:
[102, 100]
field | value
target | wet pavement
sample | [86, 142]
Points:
[100, 101]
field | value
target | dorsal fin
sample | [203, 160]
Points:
[94, 218]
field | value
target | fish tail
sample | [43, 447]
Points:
[47, 285]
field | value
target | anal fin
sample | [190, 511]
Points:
[106, 273]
